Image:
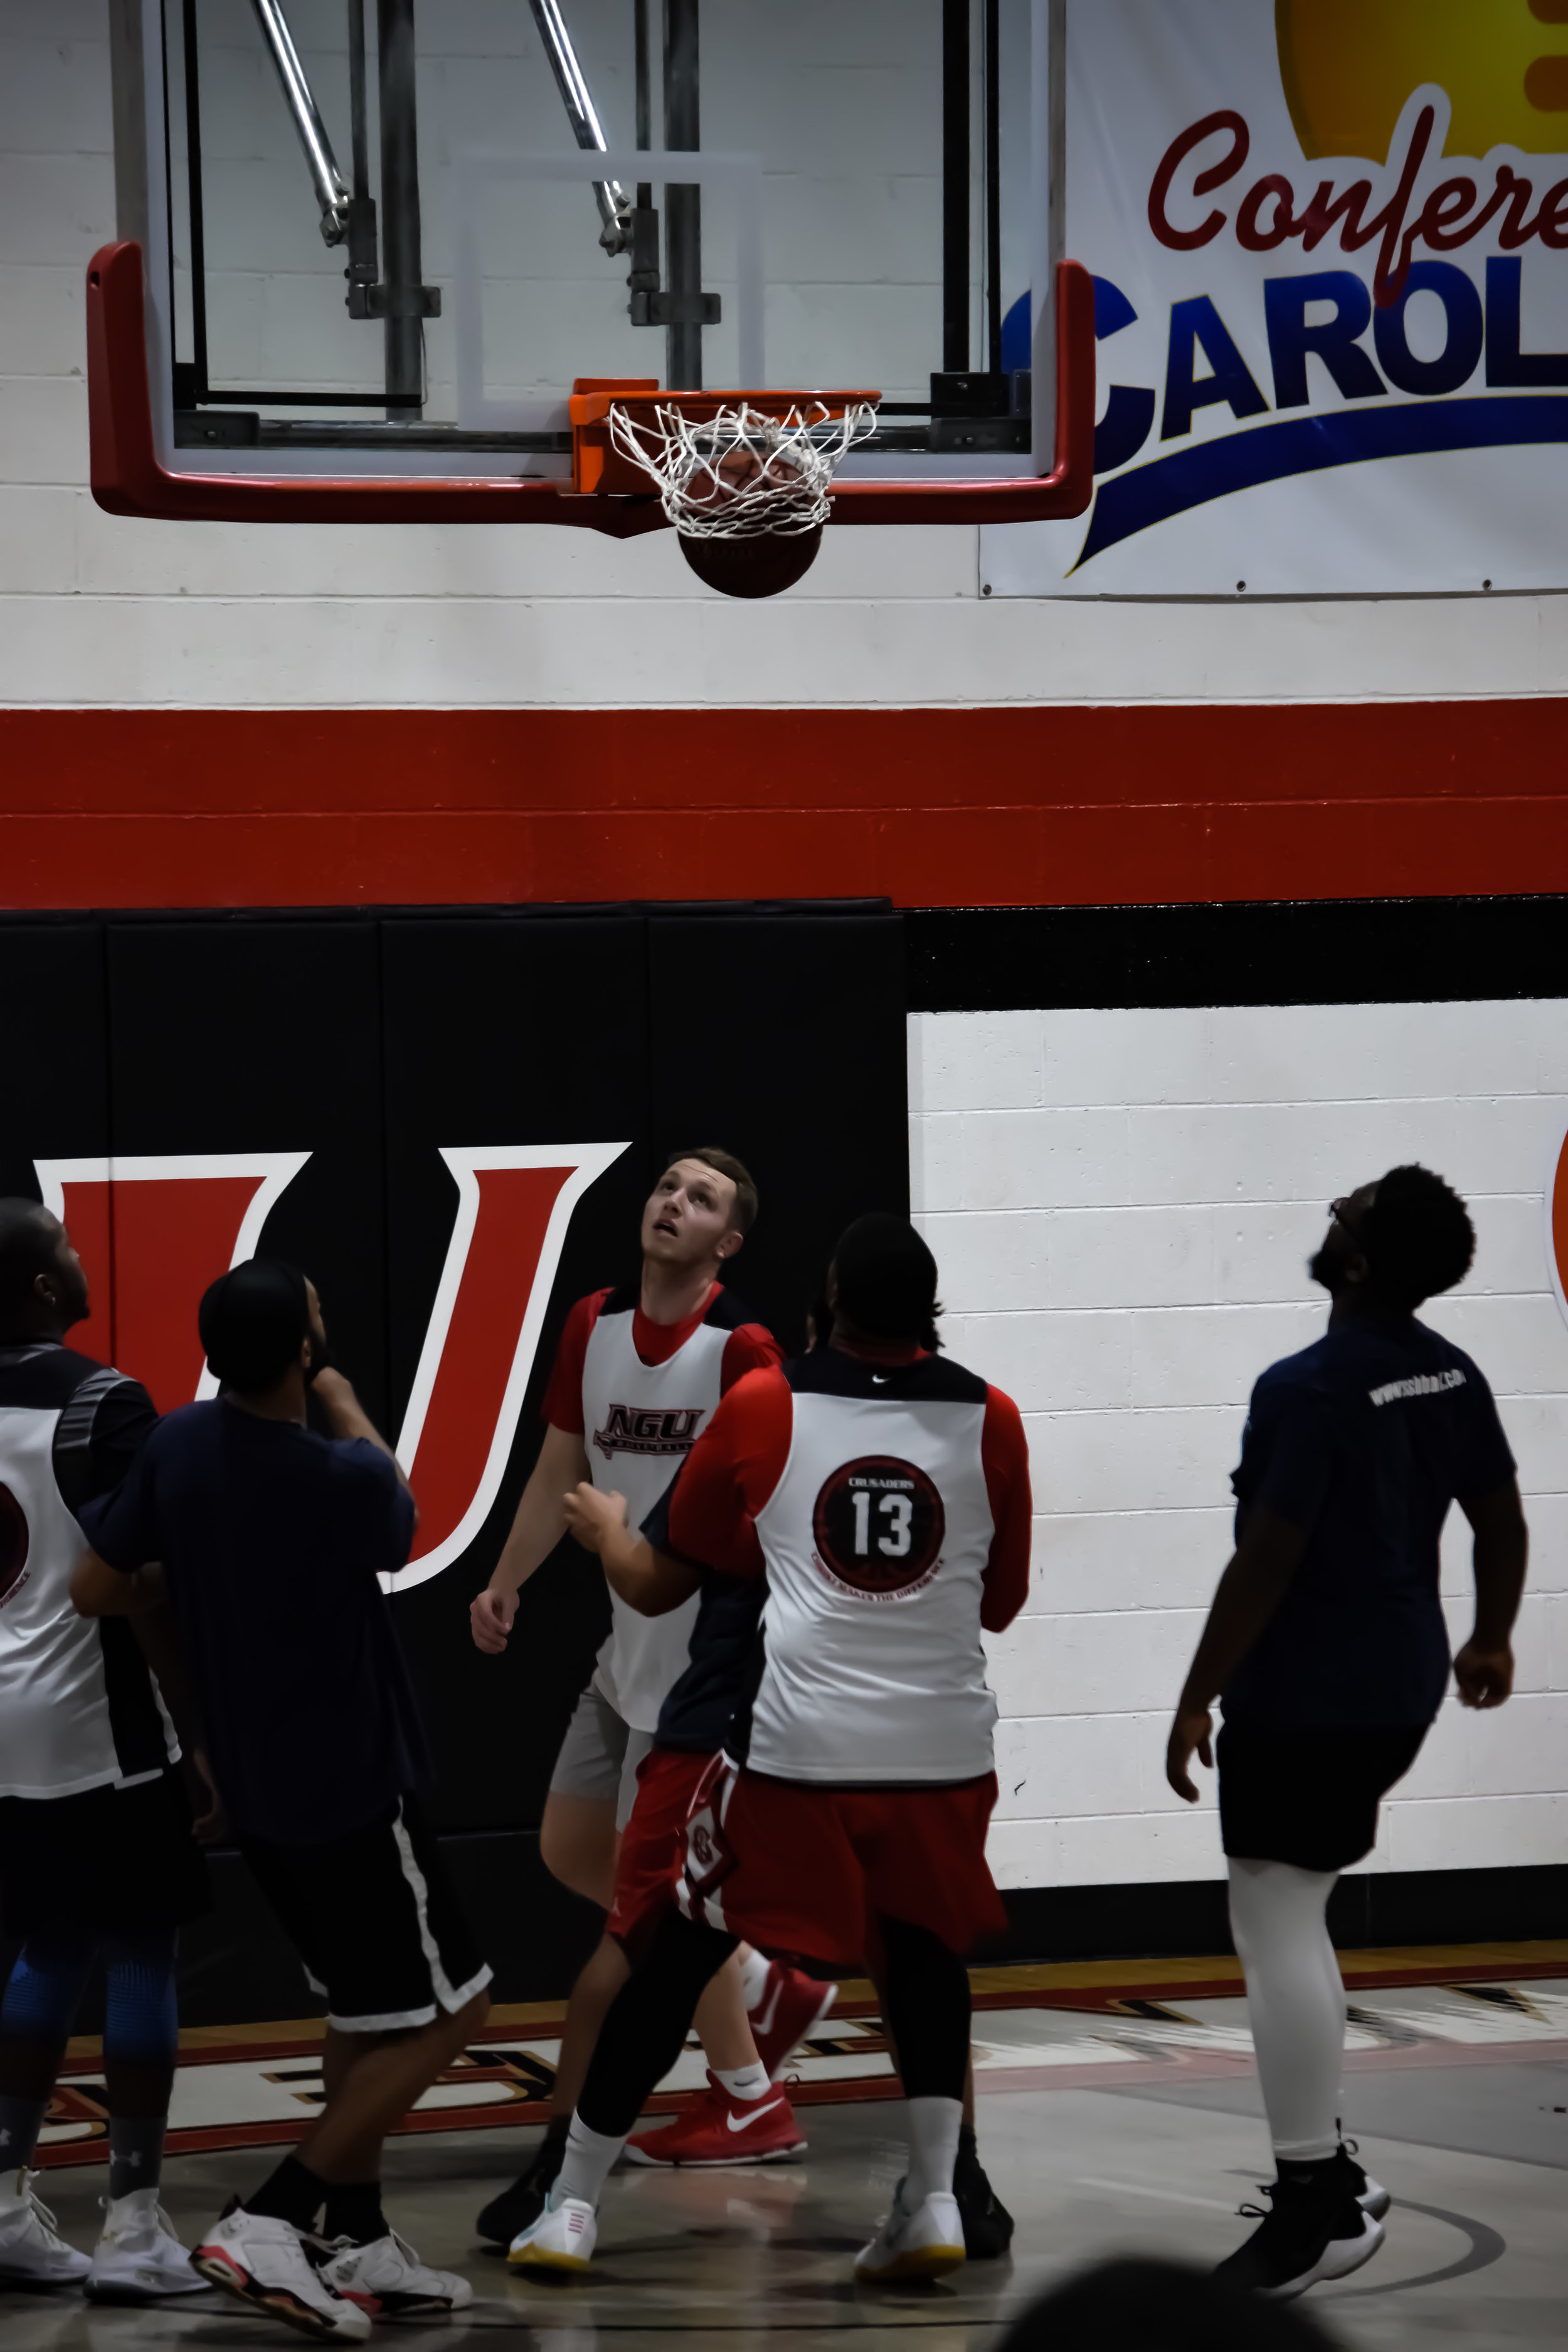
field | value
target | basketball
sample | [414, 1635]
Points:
[763, 566]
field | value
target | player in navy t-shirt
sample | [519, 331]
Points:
[1327, 1648]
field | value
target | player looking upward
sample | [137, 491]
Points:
[883, 1494]
[1328, 1646]
[96, 1859]
[639, 1373]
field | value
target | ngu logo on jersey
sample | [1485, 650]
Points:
[644, 1429]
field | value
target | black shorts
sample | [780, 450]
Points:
[1308, 1797]
[107, 1862]
[375, 1919]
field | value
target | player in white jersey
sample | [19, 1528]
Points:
[638, 1375]
[883, 1494]
[97, 1857]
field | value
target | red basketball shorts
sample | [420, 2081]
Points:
[654, 1840]
[806, 1872]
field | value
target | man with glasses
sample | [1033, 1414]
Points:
[1327, 1648]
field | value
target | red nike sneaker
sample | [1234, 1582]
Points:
[716, 2129]
[787, 2011]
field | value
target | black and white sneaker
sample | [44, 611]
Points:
[1368, 2194]
[1314, 2229]
[988, 2224]
[519, 2207]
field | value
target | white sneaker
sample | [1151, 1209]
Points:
[388, 2281]
[263, 2262]
[32, 2251]
[137, 2257]
[921, 2245]
[562, 2239]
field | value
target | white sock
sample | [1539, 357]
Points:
[754, 1974]
[1295, 2001]
[934, 2149]
[585, 2166]
[746, 2083]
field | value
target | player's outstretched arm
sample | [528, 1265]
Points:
[1250, 1590]
[1484, 1667]
[538, 1527]
[648, 1581]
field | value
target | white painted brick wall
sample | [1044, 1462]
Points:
[1121, 1204]
[109, 612]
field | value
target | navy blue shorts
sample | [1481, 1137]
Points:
[1308, 1797]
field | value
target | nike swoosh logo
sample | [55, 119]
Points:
[764, 2024]
[753, 2116]
[879, 1380]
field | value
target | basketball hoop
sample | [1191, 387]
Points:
[746, 477]
[741, 472]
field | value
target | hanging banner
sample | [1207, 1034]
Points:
[1329, 241]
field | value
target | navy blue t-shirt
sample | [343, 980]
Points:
[272, 1538]
[1365, 1439]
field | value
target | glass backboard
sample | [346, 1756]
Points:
[382, 239]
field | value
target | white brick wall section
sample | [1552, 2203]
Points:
[103, 610]
[1121, 1203]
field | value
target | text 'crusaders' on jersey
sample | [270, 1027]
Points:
[887, 1504]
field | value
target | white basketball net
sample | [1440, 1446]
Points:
[740, 473]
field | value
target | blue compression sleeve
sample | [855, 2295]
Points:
[46, 1988]
[140, 2020]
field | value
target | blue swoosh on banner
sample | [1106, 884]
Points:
[1146, 495]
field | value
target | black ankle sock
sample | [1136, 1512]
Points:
[354, 2211]
[292, 2193]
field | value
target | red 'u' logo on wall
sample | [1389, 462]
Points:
[152, 1232]
[1557, 1226]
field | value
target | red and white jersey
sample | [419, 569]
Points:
[887, 1502]
[638, 1393]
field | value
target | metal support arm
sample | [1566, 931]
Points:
[614, 205]
[333, 191]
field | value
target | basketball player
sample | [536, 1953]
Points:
[270, 1538]
[97, 1855]
[1328, 1645]
[884, 1495]
[638, 1374]
[693, 1725]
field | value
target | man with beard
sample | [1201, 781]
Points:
[1327, 1644]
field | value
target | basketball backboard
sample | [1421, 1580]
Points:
[379, 243]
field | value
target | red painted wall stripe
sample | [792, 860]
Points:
[984, 807]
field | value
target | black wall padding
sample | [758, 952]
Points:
[245, 1036]
[1309, 952]
[55, 1101]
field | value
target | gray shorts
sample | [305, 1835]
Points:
[599, 1756]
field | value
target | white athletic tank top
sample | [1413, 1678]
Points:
[876, 1539]
[74, 1713]
[639, 1421]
